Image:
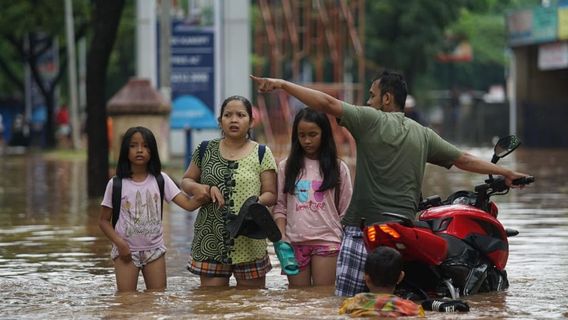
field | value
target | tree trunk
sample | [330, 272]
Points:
[49, 130]
[106, 18]
[46, 86]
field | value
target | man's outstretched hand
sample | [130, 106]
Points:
[267, 84]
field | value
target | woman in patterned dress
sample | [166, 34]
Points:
[227, 172]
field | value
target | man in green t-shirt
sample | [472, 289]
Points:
[392, 152]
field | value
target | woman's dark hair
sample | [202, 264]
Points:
[329, 164]
[246, 103]
[123, 169]
[383, 265]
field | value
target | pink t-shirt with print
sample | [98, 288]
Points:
[313, 216]
[140, 222]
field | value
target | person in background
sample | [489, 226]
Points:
[20, 132]
[392, 152]
[225, 173]
[137, 238]
[63, 126]
[412, 112]
[314, 190]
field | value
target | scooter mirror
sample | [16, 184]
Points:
[505, 146]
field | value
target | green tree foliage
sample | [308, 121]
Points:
[21, 24]
[486, 33]
[97, 19]
[406, 35]
[485, 30]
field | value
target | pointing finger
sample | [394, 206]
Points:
[256, 79]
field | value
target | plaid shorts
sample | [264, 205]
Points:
[247, 270]
[350, 274]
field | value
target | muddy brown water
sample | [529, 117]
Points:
[54, 261]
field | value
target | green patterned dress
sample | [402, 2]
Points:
[237, 180]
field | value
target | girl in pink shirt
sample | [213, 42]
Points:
[314, 190]
[137, 238]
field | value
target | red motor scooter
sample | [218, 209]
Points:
[456, 247]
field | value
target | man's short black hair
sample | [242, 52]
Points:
[383, 266]
[393, 83]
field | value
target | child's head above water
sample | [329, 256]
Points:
[383, 269]
[124, 166]
[311, 134]
[312, 138]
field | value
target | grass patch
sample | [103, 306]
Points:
[66, 154]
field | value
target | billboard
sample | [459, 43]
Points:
[192, 78]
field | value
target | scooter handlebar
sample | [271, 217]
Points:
[497, 184]
[523, 181]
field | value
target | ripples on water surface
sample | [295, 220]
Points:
[54, 261]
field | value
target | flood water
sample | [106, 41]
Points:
[54, 261]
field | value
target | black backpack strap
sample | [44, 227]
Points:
[202, 148]
[160, 180]
[261, 151]
[116, 195]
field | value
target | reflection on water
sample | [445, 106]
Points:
[54, 261]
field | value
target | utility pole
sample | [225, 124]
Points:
[73, 103]
[165, 52]
[146, 39]
[512, 92]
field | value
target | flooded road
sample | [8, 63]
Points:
[54, 261]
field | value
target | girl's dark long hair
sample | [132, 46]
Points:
[329, 165]
[123, 169]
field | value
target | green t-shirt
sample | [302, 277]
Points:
[392, 152]
[244, 174]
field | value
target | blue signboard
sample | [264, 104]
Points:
[189, 112]
[545, 24]
[192, 76]
[192, 79]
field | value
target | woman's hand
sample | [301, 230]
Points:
[216, 196]
[201, 193]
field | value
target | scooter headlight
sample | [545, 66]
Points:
[463, 200]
